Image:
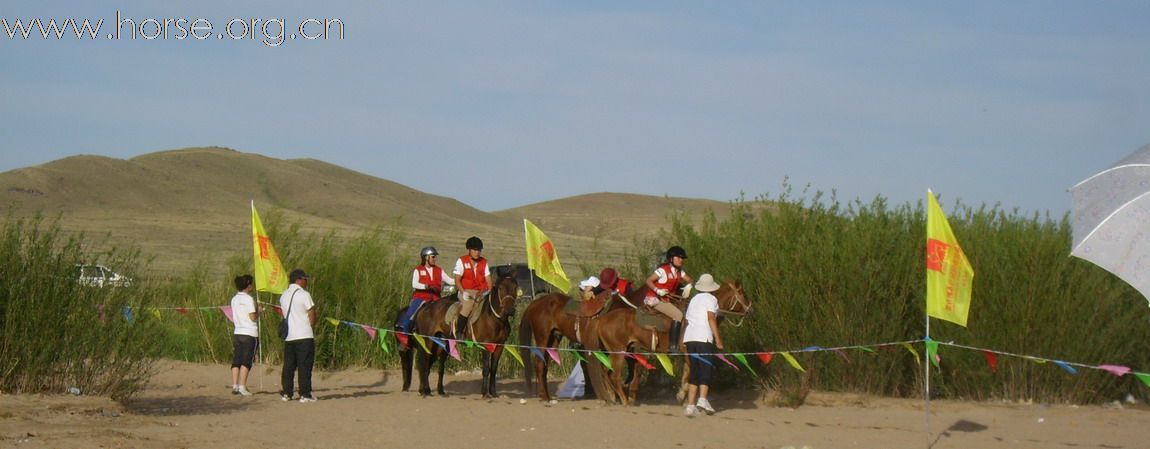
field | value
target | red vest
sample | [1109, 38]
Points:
[622, 286]
[670, 285]
[430, 278]
[472, 277]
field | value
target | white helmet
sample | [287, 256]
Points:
[428, 251]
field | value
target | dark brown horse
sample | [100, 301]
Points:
[545, 324]
[617, 332]
[492, 327]
[429, 322]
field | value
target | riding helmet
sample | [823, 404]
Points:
[474, 243]
[676, 251]
[428, 251]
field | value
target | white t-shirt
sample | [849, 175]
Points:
[299, 327]
[242, 307]
[698, 327]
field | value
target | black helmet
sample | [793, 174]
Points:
[474, 243]
[676, 251]
[428, 251]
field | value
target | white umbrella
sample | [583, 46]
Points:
[1112, 219]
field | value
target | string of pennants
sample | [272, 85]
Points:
[766, 357]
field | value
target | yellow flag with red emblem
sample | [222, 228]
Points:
[269, 272]
[948, 273]
[542, 258]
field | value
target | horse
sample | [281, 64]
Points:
[617, 332]
[492, 327]
[430, 321]
[544, 325]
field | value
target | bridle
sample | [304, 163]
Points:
[737, 299]
[491, 304]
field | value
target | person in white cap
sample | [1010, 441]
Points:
[587, 287]
[702, 338]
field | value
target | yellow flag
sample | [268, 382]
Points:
[791, 360]
[542, 258]
[269, 272]
[948, 273]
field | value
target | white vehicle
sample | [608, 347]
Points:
[100, 276]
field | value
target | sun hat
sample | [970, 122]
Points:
[608, 277]
[590, 282]
[706, 283]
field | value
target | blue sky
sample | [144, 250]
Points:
[501, 104]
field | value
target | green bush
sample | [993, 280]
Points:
[57, 334]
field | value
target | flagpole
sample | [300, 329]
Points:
[926, 359]
[530, 271]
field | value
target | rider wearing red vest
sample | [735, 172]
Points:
[427, 280]
[665, 280]
[474, 280]
[609, 280]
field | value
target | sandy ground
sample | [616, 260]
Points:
[191, 405]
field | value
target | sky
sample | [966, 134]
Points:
[503, 104]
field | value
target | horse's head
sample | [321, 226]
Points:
[504, 293]
[732, 300]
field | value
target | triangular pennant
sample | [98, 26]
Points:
[642, 361]
[453, 350]
[912, 351]
[537, 353]
[182, 311]
[554, 355]
[604, 360]
[333, 321]
[127, 312]
[666, 363]
[765, 357]
[843, 354]
[490, 347]
[579, 355]
[1145, 378]
[866, 349]
[155, 312]
[794, 363]
[439, 342]
[402, 339]
[1116, 370]
[422, 343]
[992, 360]
[1065, 366]
[383, 342]
[227, 310]
[514, 353]
[932, 352]
[370, 331]
[743, 359]
[724, 359]
[702, 359]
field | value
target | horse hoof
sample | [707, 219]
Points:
[442, 394]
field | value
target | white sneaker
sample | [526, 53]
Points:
[284, 397]
[706, 406]
[306, 399]
[691, 411]
[242, 390]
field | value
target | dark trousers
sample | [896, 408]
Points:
[701, 372]
[298, 354]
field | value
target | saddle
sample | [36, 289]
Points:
[650, 319]
[586, 308]
[452, 313]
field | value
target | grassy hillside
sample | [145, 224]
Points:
[189, 205]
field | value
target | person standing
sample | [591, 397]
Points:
[299, 345]
[427, 281]
[702, 339]
[666, 280]
[245, 339]
[474, 280]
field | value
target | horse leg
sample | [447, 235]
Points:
[681, 395]
[405, 361]
[442, 356]
[486, 372]
[588, 386]
[424, 372]
[541, 369]
[634, 379]
[494, 369]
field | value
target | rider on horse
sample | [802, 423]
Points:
[665, 281]
[609, 280]
[427, 280]
[474, 280]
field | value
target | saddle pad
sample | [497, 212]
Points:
[652, 320]
[452, 313]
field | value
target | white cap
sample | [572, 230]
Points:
[590, 282]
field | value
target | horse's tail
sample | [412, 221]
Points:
[526, 338]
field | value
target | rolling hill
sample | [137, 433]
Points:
[188, 205]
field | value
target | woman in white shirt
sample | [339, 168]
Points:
[702, 338]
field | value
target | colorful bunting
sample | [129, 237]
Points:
[402, 338]
[724, 359]
[666, 363]
[1145, 378]
[554, 355]
[604, 360]
[422, 343]
[992, 360]
[127, 312]
[438, 342]
[912, 351]
[155, 312]
[537, 353]
[453, 350]
[842, 354]
[1065, 366]
[579, 355]
[743, 359]
[791, 360]
[765, 357]
[932, 352]
[227, 310]
[333, 321]
[182, 310]
[370, 330]
[383, 342]
[1116, 370]
[866, 349]
[490, 347]
[702, 359]
[642, 360]
[513, 352]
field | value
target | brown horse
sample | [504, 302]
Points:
[429, 322]
[617, 332]
[545, 324]
[492, 327]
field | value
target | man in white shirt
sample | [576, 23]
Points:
[245, 339]
[299, 346]
[702, 338]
